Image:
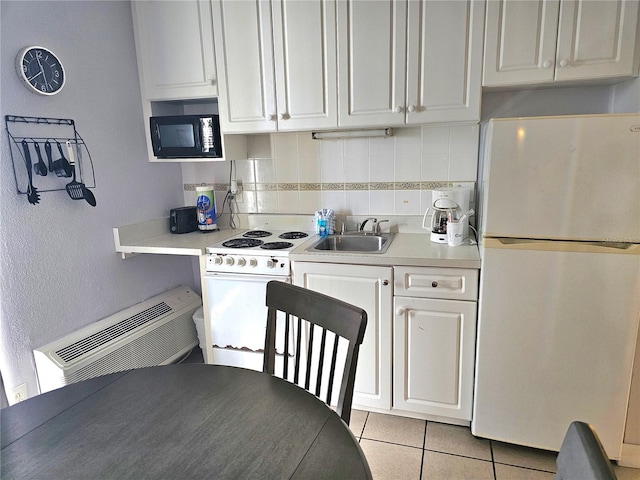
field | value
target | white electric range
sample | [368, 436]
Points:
[237, 272]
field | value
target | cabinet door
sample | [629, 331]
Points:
[174, 42]
[444, 61]
[244, 54]
[304, 35]
[520, 42]
[371, 62]
[596, 39]
[433, 356]
[369, 288]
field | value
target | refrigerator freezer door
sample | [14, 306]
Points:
[556, 338]
[573, 177]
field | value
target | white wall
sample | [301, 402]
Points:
[58, 267]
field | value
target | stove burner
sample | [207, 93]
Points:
[242, 243]
[276, 245]
[256, 234]
[293, 235]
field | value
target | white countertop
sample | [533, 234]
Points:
[411, 249]
[153, 236]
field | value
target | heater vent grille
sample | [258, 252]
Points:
[102, 337]
[158, 331]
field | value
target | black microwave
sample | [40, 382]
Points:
[186, 136]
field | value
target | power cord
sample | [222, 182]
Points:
[230, 200]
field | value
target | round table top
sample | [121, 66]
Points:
[178, 421]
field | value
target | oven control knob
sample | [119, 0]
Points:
[253, 262]
[271, 263]
[230, 261]
[241, 262]
[217, 261]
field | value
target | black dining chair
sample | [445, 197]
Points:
[582, 456]
[323, 321]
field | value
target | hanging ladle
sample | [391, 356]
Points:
[39, 168]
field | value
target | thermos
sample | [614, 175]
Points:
[205, 204]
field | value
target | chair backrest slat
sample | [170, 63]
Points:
[323, 342]
[332, 369]
[305, 309]
[307, 380]
[285, 364]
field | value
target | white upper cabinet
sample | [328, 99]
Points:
[542, 41]
[244, 53]
[304, 35]
[276, 63]
[409, 62]
[174, 42]
[372, 62]
[444, 61]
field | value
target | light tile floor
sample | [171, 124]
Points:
[411, 449]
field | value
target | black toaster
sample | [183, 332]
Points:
[183, 220]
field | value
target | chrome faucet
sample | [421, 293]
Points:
[377, 226]
[373, 228]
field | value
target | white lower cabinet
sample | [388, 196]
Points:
[434, 341]
[370, 288]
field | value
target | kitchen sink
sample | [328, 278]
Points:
[353, 243]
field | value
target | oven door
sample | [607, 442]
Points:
[237, 318]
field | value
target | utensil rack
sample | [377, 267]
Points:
[56, 131]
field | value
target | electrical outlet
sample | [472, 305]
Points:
[236, 189]
[19, 393]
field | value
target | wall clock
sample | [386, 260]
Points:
[40, 70]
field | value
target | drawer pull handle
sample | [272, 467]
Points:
[434, 284]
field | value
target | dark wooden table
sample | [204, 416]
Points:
[178, 422]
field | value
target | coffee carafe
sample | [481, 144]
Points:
[447, 204]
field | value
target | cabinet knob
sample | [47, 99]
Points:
[564, 62]
[434, 284]
[412, 108]
[400, 311]
[273, 118]
[212, 81]
[385, 282]
[398, 109]
[547, 64]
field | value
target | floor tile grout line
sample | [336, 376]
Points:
[424, 444]
[493, 460]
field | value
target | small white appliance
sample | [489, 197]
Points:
[559, 303]
[447, 203]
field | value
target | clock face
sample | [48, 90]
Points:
[40, 70]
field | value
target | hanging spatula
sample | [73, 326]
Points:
[75, 189]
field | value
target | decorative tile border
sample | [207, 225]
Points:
[352, 186]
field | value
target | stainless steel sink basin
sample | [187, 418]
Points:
[353, 243]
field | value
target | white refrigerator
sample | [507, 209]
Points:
[560, 281]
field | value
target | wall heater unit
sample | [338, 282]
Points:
[157, 331]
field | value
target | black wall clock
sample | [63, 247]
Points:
[40, 70]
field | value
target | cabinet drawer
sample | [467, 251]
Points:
[427, 282]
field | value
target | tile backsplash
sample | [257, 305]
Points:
[355, 176]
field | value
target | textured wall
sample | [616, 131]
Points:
[59, 270]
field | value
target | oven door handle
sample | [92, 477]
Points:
[246, 277]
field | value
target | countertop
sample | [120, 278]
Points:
[153, 236]
[411, 249]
